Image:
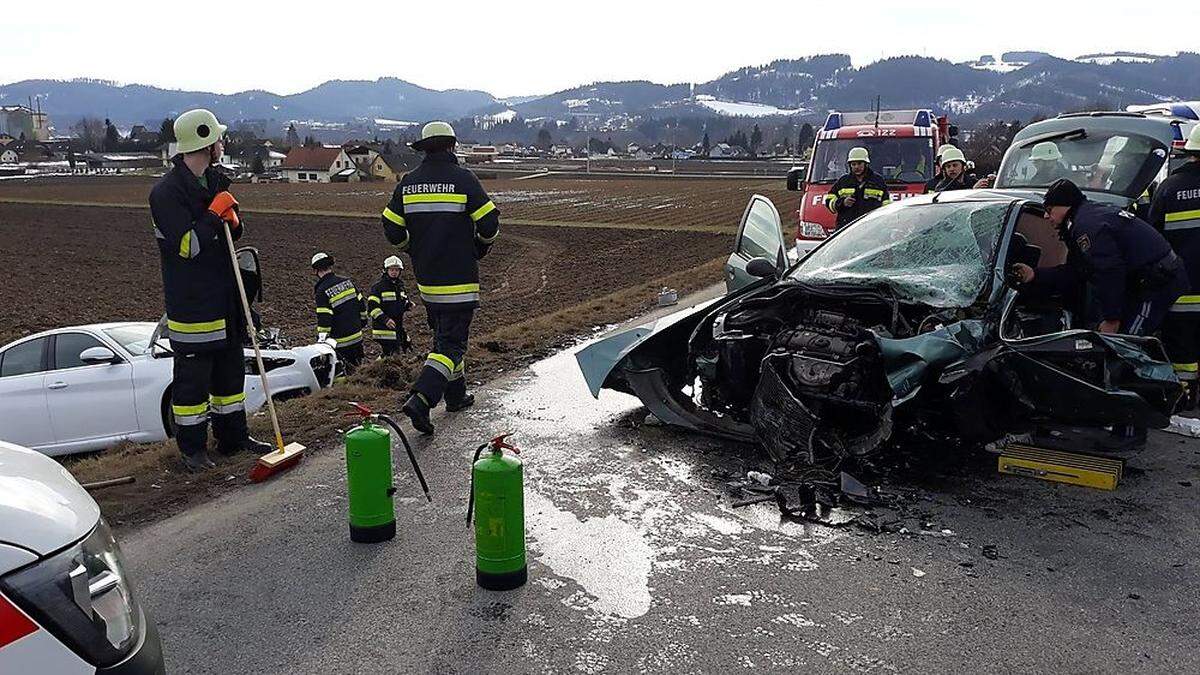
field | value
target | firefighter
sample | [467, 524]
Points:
[1175, 211]
[441, 215]
[387, 303]
[937, 167]
[1047, 163]
[191, 206]
[341, 312]
[858, 192]
[954, 173]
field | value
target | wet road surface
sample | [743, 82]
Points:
[638, 563]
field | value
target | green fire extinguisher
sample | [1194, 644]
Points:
[497, 487]
[369, 477]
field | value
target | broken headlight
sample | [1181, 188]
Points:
[811, 230]
[82, 595]
[270, 363]
[322, 366]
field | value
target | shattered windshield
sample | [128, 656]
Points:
[1107, 162]
[935, 254]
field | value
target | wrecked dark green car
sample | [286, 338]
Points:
[899, 326]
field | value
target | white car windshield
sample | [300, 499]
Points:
[936, 254]
[134, 339]
[1122, 164]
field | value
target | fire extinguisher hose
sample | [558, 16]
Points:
[411, 457]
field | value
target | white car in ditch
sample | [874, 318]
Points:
[89, 387]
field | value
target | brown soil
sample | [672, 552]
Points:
[543, 286]
[712, 204]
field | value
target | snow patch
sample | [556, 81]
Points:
[743, 109]
[382, 122]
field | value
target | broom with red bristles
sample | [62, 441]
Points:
[283, 457]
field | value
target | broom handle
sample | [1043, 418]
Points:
[262, 371]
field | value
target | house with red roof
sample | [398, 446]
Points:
[317, 164]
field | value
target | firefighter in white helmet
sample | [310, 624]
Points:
[387, 303]
[341, 312]
[954, 172]
[859, 191]
[191, 207]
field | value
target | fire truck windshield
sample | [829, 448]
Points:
[898, 160]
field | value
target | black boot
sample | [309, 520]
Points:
[463, 403]
[249, 444]
[198, 462]
[418, 412]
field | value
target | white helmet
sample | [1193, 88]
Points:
[1045, 151]
[953, 154]
[942, 150]
[393, 261]
[321, 260]
[1192, 147]
[859, 154]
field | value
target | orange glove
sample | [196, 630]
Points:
[223, 207]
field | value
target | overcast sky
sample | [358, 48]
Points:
[516, 47]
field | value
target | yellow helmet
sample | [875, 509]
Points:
[1045, 151]
[197, 129]
[858, 154]
[952, 154]
[942, 149]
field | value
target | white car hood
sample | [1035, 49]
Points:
[42, 507]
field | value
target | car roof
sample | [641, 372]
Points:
[1158, 128]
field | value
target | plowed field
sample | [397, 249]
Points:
[707, 204]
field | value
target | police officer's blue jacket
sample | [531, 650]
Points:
[442, 217]
[1110, 249]
[203, 310]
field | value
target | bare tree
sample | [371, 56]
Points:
[90, 132]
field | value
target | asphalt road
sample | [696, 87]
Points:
[640, 564]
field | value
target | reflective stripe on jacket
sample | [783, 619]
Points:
[1175, 211]
[203, 310]
[869, 194]
[387, 300]
[443, 218]
[341, 312]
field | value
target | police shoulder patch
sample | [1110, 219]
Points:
[1084, 243]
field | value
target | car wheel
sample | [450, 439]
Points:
[168, 419]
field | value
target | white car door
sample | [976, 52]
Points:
[88, 401]
[24, 417]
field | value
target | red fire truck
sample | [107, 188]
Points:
[902, 144]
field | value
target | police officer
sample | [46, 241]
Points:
[1130, 268]
[1175, 211]
[341, 312]
[954, 174]
[387, 303]
[441, 215]
[858, 192]
[191, 206]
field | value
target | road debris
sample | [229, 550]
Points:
[1184, 426]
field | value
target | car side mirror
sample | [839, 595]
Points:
[795, 179]
[761, 268]
[97, 355]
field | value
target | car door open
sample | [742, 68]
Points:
[760, 235]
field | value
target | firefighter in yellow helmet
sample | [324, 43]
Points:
[191, 207]
[859, 191]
